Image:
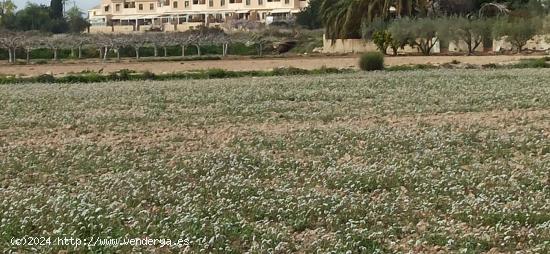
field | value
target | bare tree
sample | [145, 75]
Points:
[257, 39]
[108, 42]
[197, 38]
[137, 41]
[55, 43]
[31, 40]
[182, 39]
[10, 41]
[155, 39]
[218, 36]
[78, 42]
[166, 40]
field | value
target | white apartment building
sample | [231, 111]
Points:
[179, 15]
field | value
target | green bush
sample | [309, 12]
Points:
[285, 71]
[531, 63]
[45, 78]
[86, 78]
[147, 75]
[413, 67]
[371, 61]
[217, 73]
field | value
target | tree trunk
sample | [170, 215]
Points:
[156, 51]
[72, 53]
[55, 54]
[28, 51]
[198, 50]
[165, 52]
[118, 54]
[105, 54]
[79, 52]
[182, 50]
[261, 53]
[225, 46]
[101, 53]
[137, 53]
[10, 56]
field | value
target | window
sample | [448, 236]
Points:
[222, 2]
[140, 7]
[151, 6]
[117, 7]
[175, 4]
[128, 5]
[106, 8]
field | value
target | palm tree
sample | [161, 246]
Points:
[7, 7]
[343, 18]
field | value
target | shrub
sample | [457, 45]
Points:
[121, 75]
[45, 78]
[285, 71]
[147, 75]
[217, 73]
[531, 63]
[371, 61]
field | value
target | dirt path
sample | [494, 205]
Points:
[242, 64]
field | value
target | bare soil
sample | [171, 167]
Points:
[242, 64]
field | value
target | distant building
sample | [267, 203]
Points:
[171, 15]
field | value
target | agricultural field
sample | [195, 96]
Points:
[407, 161]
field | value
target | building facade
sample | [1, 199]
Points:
[180, 15]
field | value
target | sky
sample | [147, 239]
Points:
[82, 4]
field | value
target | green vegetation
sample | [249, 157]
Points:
[371, 61]
[124, 75]
[448, 160]
[51, 19]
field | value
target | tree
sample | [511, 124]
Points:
[421, 33]
[137, 41]
[163, 40]
[7, 9]
[10, 41]
[471, 31]
[455, 7]
[518, 32]
[32, 18]
[343, 18]
[183, 39]
[56, 9]
[257, 39]
[309, 17]
[78, 42]
[31, 40]
[75, 21]
[55, 43]
[204, 35]
[58, 23]
[377, 31]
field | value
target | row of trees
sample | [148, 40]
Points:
[105, 43]
[343, 19]
[425, 33]
[34, 17]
